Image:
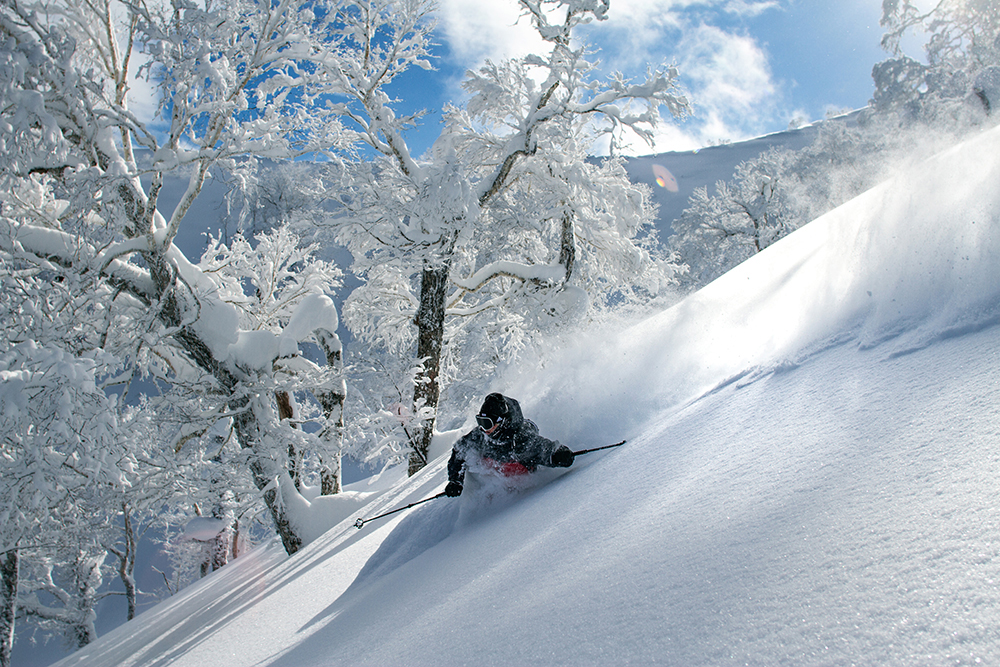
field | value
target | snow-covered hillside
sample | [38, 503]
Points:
[811, 478]
[707, 166]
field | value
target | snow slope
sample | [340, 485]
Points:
[811, 478]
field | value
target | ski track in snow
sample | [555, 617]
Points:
[821, 516]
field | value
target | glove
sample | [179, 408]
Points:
[453, 490]
[562, 457]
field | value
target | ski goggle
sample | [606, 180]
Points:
[487, 423]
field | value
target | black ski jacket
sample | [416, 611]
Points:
[516, 441]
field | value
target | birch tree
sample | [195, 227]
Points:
[504, 210]
[743, 217]
[61, 450]
[237, 82]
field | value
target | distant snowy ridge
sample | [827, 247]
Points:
[707, 166]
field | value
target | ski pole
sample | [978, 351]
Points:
[361, 522]
[597, 449]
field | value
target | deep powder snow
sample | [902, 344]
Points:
[811, 478]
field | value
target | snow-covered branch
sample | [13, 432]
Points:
[66, 250]
[541, 273]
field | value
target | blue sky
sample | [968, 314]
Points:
[748, 66]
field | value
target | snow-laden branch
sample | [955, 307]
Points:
[578, 12]
[543, 273]
[519, 145]
[495, 302]
[658, 89]
[68, 250]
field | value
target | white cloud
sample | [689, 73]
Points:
[637, 31]
[479, 30]
[748, 8]
[729, 72]
[729, 82]
[726, 75]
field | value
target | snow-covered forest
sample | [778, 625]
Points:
[804, 346]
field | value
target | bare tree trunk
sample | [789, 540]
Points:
[220, 493]
[264, 476]
[330, 473]
[88, 581]
[430, 344]
[332, 402]
[220, 550]
[567, 246]
[9, 565]
[235, 550]
[332, 433]
[295, 457]
[126, 561]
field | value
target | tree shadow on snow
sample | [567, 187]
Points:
[485, 493]
[430, 524]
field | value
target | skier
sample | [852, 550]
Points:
[505, 441]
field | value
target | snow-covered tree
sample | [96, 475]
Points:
[777, 192]
[69, 578]
[960, 77]
[61, 445]
[504, 218]
[265, 195]
[60, 439]
[237, 82]
[279, 289]
[744, 216]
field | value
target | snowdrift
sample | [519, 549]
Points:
[811, 478]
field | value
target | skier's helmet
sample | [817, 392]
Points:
[493, 412]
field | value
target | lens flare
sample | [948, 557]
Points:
[664, 178]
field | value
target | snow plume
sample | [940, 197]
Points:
[940, 218]
[780, 190]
